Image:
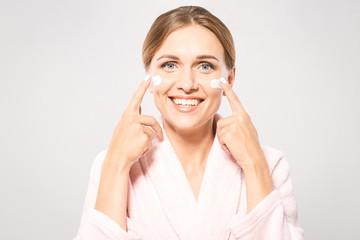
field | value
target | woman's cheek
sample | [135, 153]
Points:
[161, 84]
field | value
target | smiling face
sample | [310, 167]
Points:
[188, 60]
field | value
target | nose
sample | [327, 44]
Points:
[187, 81]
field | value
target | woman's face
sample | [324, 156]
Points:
[189, 59]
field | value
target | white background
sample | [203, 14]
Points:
[69, 68]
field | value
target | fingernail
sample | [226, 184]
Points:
[147, 77]
[223, 80]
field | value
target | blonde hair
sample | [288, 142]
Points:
[183, 16]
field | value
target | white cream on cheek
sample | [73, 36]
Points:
[215, 83]
[156, 80]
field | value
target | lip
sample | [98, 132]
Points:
[186, 97]
[185, 109]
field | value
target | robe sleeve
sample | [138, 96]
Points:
[95, 225]
[275, 217]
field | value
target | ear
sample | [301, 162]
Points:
[231, 77]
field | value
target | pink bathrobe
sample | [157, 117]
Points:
[162, 206]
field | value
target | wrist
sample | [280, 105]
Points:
[117, 165]
[258, 173]
[252, 166]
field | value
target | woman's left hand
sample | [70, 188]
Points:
[237, 135]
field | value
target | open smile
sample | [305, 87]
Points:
[186, 104]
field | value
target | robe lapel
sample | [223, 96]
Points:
[220, 195]
[218, 199]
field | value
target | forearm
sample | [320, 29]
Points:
[258, 183]
[112, 193]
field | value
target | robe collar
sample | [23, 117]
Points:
[219, 195]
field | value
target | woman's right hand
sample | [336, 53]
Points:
[131, 138]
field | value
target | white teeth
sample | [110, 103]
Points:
[186, 102]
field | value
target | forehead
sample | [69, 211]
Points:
[191, 41]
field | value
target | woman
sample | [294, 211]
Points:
[188, 174]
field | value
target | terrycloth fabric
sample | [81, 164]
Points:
[162, 206]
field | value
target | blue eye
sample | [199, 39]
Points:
[168, 66]
[207, 66]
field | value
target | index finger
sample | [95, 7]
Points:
[233, 99]
[138, 95]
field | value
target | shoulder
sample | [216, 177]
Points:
[96, 165]
[278, 165]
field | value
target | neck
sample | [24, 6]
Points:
[192, 146]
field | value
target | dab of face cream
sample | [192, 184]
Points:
[156, 80]
[215, 83]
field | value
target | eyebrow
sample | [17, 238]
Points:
[177, 58]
